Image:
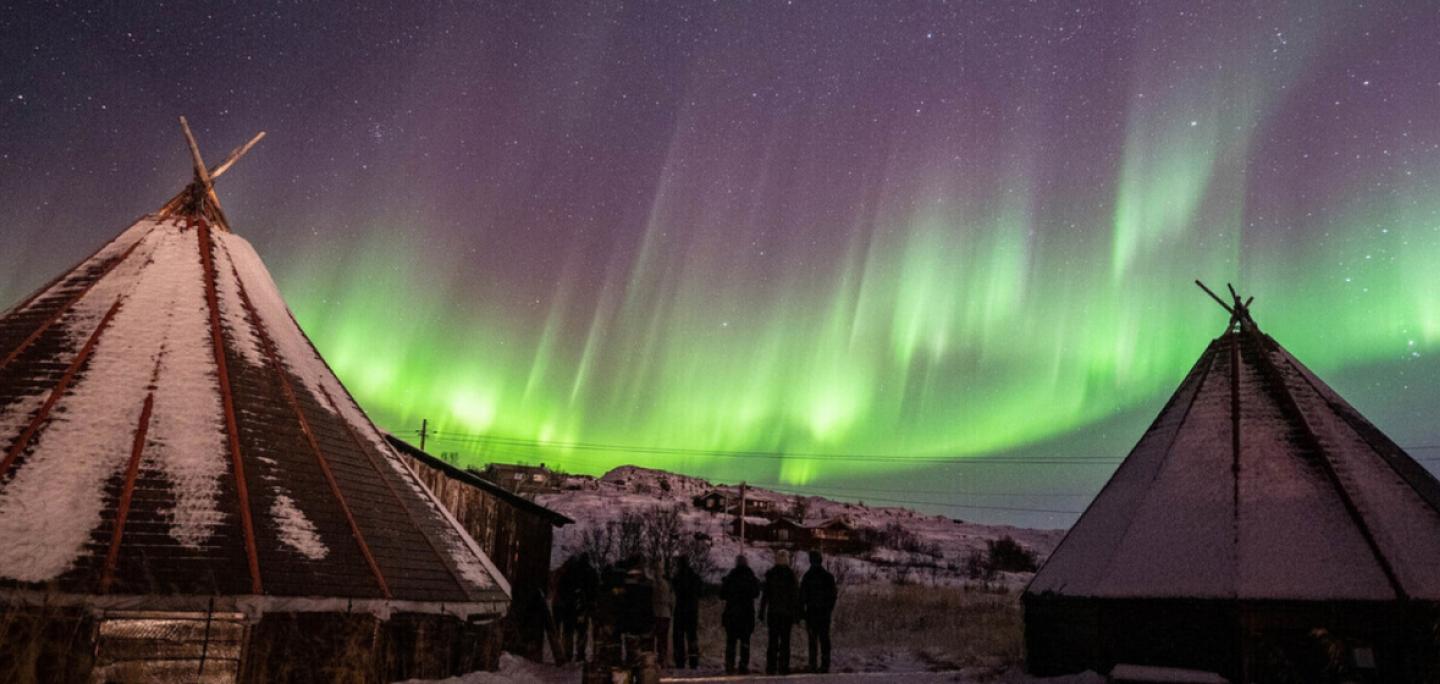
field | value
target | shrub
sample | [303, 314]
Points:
[1007, 555]
[900, 538]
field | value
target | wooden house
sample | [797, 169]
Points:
[713, 501]
[1261, 529]
[836, 535]
[516, 533]
[779, 532]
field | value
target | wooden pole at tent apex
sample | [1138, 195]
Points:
[202, 176]
[1239, 310]
[234, 156]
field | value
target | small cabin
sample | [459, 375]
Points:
[780, 532]
[714, 501]
[836, 535]
[769, 509]
[522, 479]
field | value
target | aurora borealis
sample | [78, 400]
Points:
[842, 247]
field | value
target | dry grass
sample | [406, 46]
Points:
[938, 628]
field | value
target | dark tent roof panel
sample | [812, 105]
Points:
[1256, 481]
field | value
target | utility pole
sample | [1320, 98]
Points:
[742, 514]
[424, 431]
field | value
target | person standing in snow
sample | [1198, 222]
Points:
[636, 611]
[664, 603]
[606, 624]
[738, 590]
[817, 596]
[780, 603]
[575, 591]
[687, 586]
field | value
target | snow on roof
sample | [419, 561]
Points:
[1315, 504]
[114, 404]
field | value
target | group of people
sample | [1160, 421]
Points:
[632, 607]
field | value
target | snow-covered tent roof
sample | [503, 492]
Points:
[1256, 481]
[166, 428]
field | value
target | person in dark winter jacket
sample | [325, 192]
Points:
[817, 596]
[738, 590]
[779, 607]
[606, 624]
[687, 586]
[575, 591]
[636, 619]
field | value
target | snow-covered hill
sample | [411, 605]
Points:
[906, 546]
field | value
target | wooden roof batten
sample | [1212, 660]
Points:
[198, 199]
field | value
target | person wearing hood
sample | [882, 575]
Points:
[779, 607]
[738, 590]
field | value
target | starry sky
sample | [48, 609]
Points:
[931, 253]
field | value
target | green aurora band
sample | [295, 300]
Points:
[960, 319]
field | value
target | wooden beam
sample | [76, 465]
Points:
[227, 399]
[127, 492]
[234, 156]
[202, 173]
[1216, 297]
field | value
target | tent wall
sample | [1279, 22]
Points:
[73, 646]
[1064, 635]
[46, 645]
[1263, 641]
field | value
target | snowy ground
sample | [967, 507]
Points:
[515, 670]
[903, 616]
[591, 502]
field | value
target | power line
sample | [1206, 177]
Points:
[772, 455]
[862, 490]
[945, 504]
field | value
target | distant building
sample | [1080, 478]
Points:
[522, 479]
[516, 533]
[763, 508]
[779, 532]
[836, 535]
[714, 501]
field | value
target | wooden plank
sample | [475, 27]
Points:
[234, 156]
[242, 490]
[131, 471]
